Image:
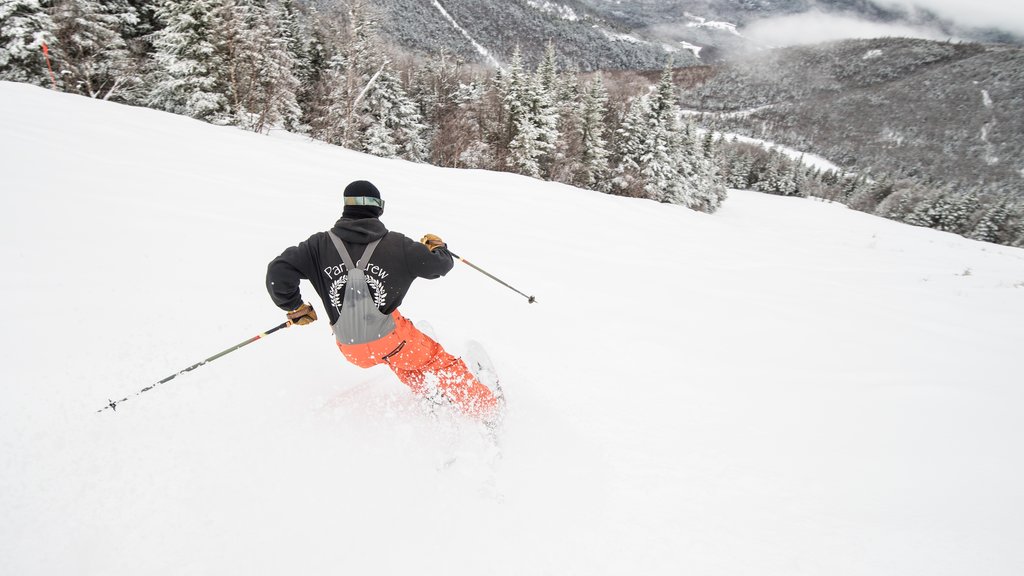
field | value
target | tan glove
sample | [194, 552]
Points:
[433, 242]
[302, 315]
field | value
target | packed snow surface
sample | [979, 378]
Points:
[786, 387]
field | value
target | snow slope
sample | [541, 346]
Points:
[786, 387]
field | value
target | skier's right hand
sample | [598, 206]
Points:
[302, 315]
[433, 242]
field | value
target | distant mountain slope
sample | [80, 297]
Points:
[939, 111]
[612, 34]
[658, 17]
[582, 38]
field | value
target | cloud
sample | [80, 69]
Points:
[1001, 14]
[815, 26]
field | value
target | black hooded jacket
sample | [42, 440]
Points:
[395, 263]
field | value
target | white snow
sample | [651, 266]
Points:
[476, 45]
[808, 159]
[872, 54]
[986, 99]
[990, 150]
[701, 22]
[619, 37]
[784, 388]
[745, 113]
[691, 47]
[893, 135]
[560, 10]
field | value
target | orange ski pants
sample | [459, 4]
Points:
[421, 363]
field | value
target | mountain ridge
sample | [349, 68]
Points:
[941, 112]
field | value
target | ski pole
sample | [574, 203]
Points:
[529, 299]
[113, 403]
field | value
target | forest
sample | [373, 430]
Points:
[332, 74]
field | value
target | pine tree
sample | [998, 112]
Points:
[651, 146]
[957, 212]
[289, 63]
[378, 140]
[629, 149]
[357, 64]
[787, 177]
[665, 155]
[292, 29]
[770, 180]
[594, 170]
[90, 52]
[993, 223]
[395, 129]
[24, 27]
[529, 118]
[315, 93]
[188, 78]
[738, 174]
[260, 66]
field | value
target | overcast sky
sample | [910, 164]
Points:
[814, 26]
[1005, 14]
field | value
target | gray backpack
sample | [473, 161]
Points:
[360, 321]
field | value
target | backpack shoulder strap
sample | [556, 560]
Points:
[340, 247]
[347, 258]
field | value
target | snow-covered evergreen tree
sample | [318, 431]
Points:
[260, 65]
[547, 72]
[189, 69]
[739, 172]
[292, 28]
[594, 171]
[993, 223]
[90, 52]
[629, 149]
[664, 155]
[662, 167]
[771, 177]
[378, 140]
[530, 118]
[562, 91]
[395, 128]
[315, 93]
[708, 190]
[24, 27]
[357, 63]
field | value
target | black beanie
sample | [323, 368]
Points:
[362, 188]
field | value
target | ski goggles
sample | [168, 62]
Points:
[364, 201]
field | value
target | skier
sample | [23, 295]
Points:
[362, 272]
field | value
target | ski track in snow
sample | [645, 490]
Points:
[559, 10]
[479, 48]
[815, 391]
[691, 47]
[745, 113]
[701, 22]
[808, 159]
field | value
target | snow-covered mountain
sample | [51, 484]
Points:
[640, 34]
[946, 112]
[785, 387]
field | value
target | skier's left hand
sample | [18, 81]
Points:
[302, 315]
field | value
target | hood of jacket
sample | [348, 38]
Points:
[359, 230]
